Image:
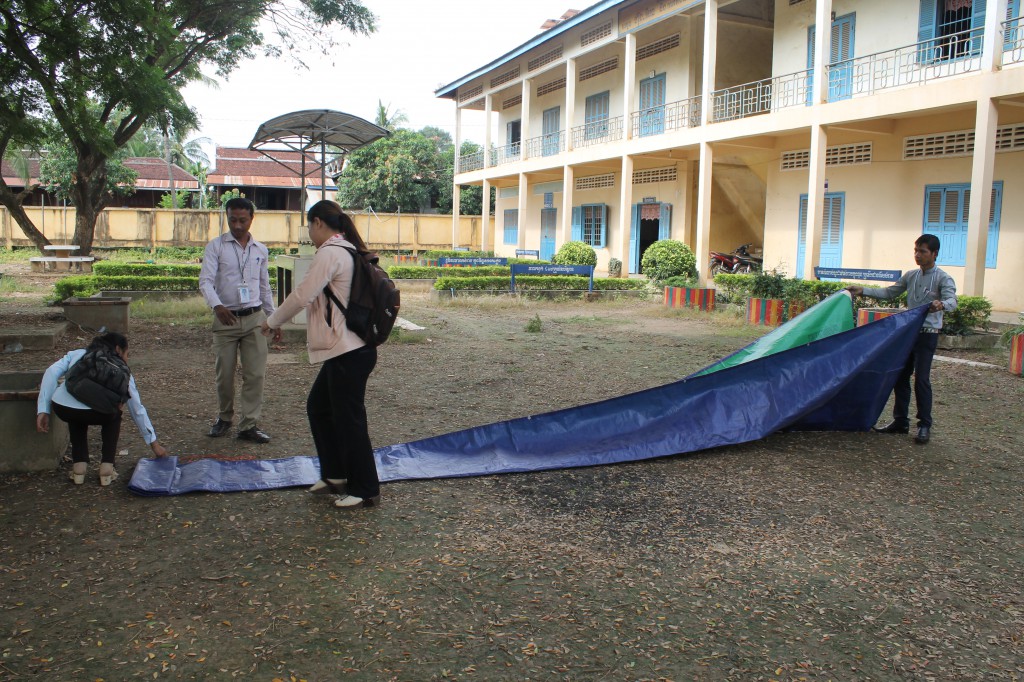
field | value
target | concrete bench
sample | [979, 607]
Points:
[55, 263]
[62, 250]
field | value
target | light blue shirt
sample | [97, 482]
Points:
[921, 288]
[228, 266]
[51, 392]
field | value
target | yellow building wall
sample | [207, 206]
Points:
[124, 227]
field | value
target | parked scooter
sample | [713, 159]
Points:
[739, 262]
[747, 261]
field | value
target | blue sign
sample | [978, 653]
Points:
[528, 252]
[524, 269]
[469, 262]
[855, 273]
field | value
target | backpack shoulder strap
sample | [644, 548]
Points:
[331, 297]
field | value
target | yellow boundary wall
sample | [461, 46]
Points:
[149, 228]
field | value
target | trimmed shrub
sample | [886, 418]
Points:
[668, 258]
[538, 283]
[121, 269]
[86, 285]
[972, 312]
[430, 272]
[575, 253]
[431, 255]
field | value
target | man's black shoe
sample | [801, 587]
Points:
[893, 427]
[924, 434]
[254, 435]
[219, 428]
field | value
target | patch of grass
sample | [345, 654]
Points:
[17, 254]
[534, 325]
[592, 321]
[404, 336]
[187, 312]
[12, 288]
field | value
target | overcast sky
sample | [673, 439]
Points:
[418, 47]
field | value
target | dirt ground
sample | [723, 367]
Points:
[804, 556]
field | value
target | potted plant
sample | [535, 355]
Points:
[767, 298]
[673, 265]
[1014, 338]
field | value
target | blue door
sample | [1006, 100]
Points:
[634, 239]
[547, 233]
[831, 253]
[652, 105]
[840, 58]
[550, 131]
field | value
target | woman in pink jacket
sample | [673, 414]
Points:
[335, 407]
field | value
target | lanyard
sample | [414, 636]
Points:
[243, 263]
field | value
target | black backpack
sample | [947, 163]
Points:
[100, 380]
[373, 303]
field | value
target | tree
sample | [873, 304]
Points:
[387, 119]
[131, 58]
[394, 173]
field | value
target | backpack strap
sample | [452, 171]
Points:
[330, 294]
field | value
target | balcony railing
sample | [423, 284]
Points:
[661, 119]
[908, 65]
[597, 132]
[1013, 41]
[545, 145]
[505, 154]
[471, 162]
[761, 97]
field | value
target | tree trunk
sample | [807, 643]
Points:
[89, 195]
[14, 204]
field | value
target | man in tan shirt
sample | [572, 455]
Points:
[235, 282]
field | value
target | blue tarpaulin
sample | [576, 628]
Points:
[833, 379]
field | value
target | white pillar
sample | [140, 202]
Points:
[625, 212]
[522, 205]
[455, 184]
[703, 236]
[822, 48]
[628, 92]
[992, 43]
[524, 121]
[710, 65]
[682, 221]
[982, 168]
[815, 200]
[570, 101]
[485, 213]
[488, 107]
[568, 189]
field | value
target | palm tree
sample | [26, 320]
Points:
[388, 120]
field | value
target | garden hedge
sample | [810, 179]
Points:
[538, 283]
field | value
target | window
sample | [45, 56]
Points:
[596, 116]
[590, 224]
[511, 226]
[945, 216]
[950, 29]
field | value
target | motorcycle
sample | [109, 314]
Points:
[739, 262]
[747, 261]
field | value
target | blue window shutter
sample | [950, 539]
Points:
[992, 247]
[602, 235]
[1013, 28]
[801, 237]
[577, 223]
[978, 14]
[926, 30]
[665, 222]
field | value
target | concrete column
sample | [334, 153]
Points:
[568, 190]
[456, 198]
[625, 213]
[982, 168]
[710, 65]
[570, 102]
[488, 107]
[992, 42]
[524, 121]
[455, 184]
[522, 205]
[822, 47]
[628, 95]
[815, 200]
[682, 221]
[702, 240]
[485, 214]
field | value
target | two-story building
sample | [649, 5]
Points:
[727, 122]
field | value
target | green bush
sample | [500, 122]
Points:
[431, 272]
[681, 282]
[431, 255]
[972, 312]
[575, 253]
[86, 285]
[118, 268]
[538, 283]
[1013, 331]
[668, 258]
[768, 284]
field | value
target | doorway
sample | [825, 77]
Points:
[651, 222]
[547, 233]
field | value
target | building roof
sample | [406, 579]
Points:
[451, 90]
[241, 167]
[152, 174]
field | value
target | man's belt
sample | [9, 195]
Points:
[929, 330]
[246, 311]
